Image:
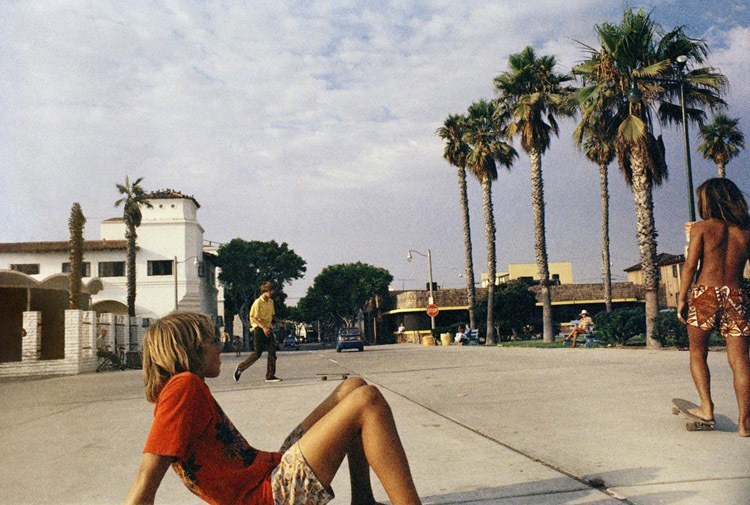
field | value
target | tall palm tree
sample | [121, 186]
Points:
[722, 141]
[635, 75]
[133, 198]
[595, 134]
[456, 152]
[535, 95]
[483, 134]
[76, 223]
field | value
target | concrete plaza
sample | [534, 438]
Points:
[480, 426]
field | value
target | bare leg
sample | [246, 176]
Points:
[739, 361]
[700, 372]
[363, 411]
[359, 469]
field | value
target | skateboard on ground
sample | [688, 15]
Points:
[340, 375]
[694, 423]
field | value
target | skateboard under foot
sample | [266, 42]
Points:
[694, 423]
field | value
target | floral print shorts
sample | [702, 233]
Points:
[293, 482]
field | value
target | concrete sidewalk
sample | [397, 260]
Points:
[480, 425]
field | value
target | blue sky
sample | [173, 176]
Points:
[313, 123]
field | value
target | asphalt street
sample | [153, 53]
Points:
[480, 426]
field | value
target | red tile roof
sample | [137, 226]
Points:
[50, 247]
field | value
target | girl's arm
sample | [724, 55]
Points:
[147, 480]
[694, 254]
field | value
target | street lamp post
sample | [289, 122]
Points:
[174, 274]
[429, 268]
[634, 96]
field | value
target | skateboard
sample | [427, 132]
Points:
[694, 423]
[341, 375]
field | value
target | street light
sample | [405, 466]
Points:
[429, 267]
[635, 96]
[174, 272]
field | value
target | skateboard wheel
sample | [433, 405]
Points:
[324, 378]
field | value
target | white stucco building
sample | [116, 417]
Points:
[173, 269]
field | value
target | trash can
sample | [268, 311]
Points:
[428, 341]
[445, 338]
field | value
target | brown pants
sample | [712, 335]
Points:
[261, 343]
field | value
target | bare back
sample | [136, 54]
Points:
[723, 251]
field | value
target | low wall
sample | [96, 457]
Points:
[81, 329]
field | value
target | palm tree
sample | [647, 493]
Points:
[595, 134]
[722, 141]
[455, 152]
[483, 131]
[535, 95]
[133, 198]
[76, 222]
[635, 75]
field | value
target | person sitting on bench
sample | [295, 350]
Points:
[585, 325]
[103, 351]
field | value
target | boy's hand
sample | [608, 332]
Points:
[682, 309]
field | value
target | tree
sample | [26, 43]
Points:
[340, 292]
[456, 152]
[636, 75]
[534, 94]
[514, 308]
[133, 198]
[246, 265]
[483, 135]
[722, 141]
[76, 223]
[595, 134]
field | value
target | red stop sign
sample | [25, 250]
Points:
[432, 310]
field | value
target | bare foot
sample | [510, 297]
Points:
[705, 414]
[744, 429]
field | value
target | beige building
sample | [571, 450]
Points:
[559, 272]
[670, 276]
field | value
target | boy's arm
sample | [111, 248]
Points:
[694, 253]
[147, 480]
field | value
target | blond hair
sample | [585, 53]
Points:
[174, 344]
[719, 198]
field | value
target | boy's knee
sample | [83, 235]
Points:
[369, 396]
[349, 385]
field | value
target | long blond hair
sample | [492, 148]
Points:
[174, 344]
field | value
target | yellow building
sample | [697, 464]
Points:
[559, 272]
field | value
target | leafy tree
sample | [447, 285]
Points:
[483, 134]
[635, 75]
[595, 134]
[670, 331]
[340, 292]
[456, 152]
[133, 197]
[246, 265]
[620, 325]
[722, 141]
[76, 223]
[534, 95]
[514, 309]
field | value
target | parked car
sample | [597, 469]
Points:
[350, 338]
[291, 342]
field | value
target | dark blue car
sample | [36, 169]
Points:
[350, 338]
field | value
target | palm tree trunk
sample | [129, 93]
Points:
[131, 236]
[721, 169]
[540, 243]
[489, 230]
[468, 251]
[606, 265]
[642, 187]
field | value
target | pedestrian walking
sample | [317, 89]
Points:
[262, 317]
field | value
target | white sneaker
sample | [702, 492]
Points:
[237, 373]
[273, 379]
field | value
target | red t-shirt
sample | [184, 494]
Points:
[214, 461]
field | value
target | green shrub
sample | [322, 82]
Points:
[669, 330]
[618, 326]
